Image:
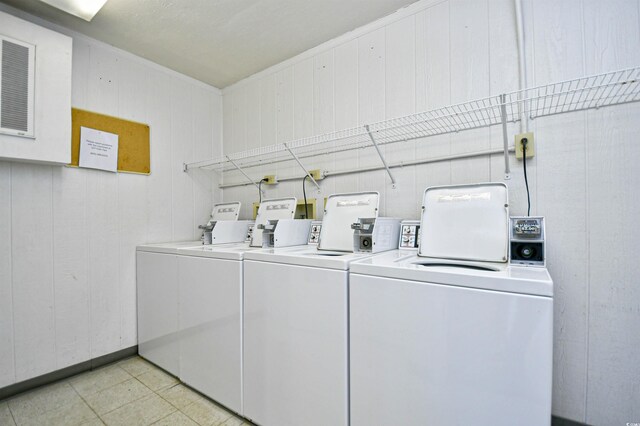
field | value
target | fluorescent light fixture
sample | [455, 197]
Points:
[85, 9]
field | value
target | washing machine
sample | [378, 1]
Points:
[296, 320]
[157, 288]
[210, 282]
[452, 335]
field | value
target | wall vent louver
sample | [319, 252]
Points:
[17, 60]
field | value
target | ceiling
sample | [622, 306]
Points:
[218, 41]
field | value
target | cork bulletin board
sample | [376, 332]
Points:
[133, 145]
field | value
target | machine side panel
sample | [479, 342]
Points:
[157, 282]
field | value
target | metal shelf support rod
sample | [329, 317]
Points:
[244, 174]
[505, 138]
[295, 157]
[384, 162]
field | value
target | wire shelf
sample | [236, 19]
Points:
[612, 88]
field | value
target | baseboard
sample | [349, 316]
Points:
[561, 421]
[66, 372]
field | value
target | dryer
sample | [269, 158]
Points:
[295, 321]
[452, 335]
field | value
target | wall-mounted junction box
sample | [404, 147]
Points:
[270, 180]
[317, 174]
[530, 146]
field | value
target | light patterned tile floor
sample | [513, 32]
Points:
[130, 392]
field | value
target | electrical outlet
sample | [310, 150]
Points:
[316, 174]
[270, 180]
[530, 146]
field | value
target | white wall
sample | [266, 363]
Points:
[583, 178]
[68, 236]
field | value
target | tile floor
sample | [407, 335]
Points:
[131, 392]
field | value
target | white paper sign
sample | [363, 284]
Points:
[98, 150]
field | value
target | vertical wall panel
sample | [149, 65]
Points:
[371, 105]
[32, 270]
[433, 84]
[612, 36]
[104, 255]
[102, 209]
[159, 200]
[469, 37]
[285, 129]
[400, 87]
[303, 99]
[182, 143]
[132, 190]
[253, 115]
[346, 107]
[324, 113]
[560, 160]
[202, 150]
[7, 366]
[504, 73]
[70, 258]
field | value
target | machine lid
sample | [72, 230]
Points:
[340, 212]
[307, 256]
[281, 208]
[229, 251]
[169, 248]
[466, 222]
[500, 277]
[226, 211]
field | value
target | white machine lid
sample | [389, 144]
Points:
[226, 211]
[281, 208]
[467, 222]
[169, 248]
[340, 212]
[477, 275]
[307, 256]
[231, 251]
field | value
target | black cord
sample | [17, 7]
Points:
[524, 166]
[260, 188]
[304, 192]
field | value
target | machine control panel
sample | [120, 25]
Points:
[375, 234]
[409, 234]
[527, 241]
[527, 228]
[314, 234]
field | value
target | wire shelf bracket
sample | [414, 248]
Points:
[295, 157]
[505, 137]
[245, 175]
[384, 162]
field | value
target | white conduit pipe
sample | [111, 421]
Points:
[524, 119]
[329, 173]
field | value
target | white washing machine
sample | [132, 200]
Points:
[210, 310]
[295, 323]
[453, 335]
[157, 295]
[157, 290]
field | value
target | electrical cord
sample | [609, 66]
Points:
[304, 192]
[524, 166]
[260, 188]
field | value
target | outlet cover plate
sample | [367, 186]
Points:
[530, 145]
[270, 180]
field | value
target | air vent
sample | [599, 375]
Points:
[16, 87]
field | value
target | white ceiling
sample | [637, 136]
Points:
[218, 41]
